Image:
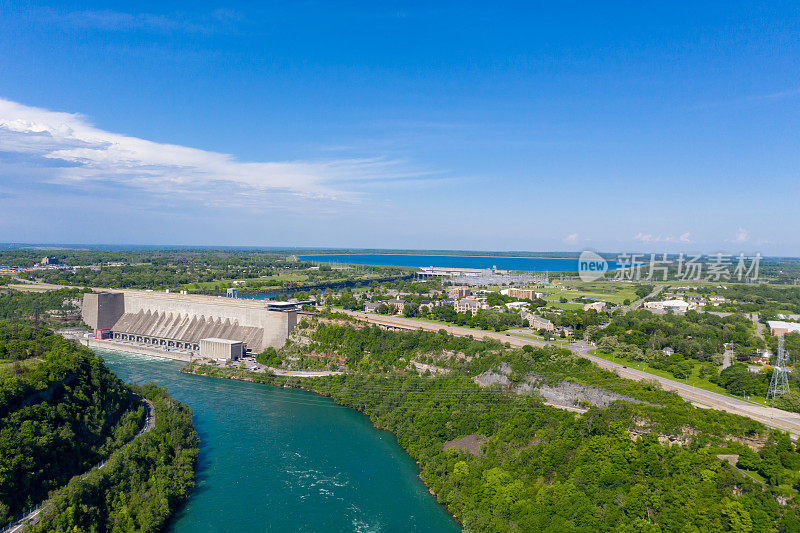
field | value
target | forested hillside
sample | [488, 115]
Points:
[140, 486]
[501, 459]
[61, 411]
[26, 305]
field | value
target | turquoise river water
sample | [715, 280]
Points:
[286, 460]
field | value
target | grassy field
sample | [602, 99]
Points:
[7, 367]
[611, 292]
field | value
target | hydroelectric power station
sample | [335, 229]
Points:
[182, 326]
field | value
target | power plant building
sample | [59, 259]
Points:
[181, 321]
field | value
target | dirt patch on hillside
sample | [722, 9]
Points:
[433, 369]
[567, 393]
[563, 394]
[471, 444]
[496, 376]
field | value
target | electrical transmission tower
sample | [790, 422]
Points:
[779, 384]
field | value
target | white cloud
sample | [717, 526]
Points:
[742, 235]
[645, 237]
[74, 152]
[650, 238]
[572, 238]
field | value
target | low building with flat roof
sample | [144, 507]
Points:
[780, 327]
[227, 349]
[679, 306]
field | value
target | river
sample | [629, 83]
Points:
[287, 460]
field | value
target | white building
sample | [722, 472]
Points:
[679, 306]
[597, 306]
[779, 327]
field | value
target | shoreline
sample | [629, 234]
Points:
[442, 255]
[240, 375]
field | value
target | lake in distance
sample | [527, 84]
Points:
[530, 264]
[275, 459]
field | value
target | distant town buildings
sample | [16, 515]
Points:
[480, 276]
[677, 306]
[458, 292]
[716, 300]
[522, 294]
[537, 322]
[398, 304]
[428, 305]
[470, 305]
[599, 306]
[433, 272]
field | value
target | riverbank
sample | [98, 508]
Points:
[537, 468]
[307, 384]
[301, 460]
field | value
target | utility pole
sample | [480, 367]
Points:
[779, 384]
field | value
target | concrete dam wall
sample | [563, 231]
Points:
[180, 321]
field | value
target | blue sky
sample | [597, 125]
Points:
[399, 125]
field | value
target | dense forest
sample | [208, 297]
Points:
[648, 463]
[696, 335]
[61, 411]
[140, 486]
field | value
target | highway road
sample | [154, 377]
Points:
[638, 303]
[775, 418]
[758, 325]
